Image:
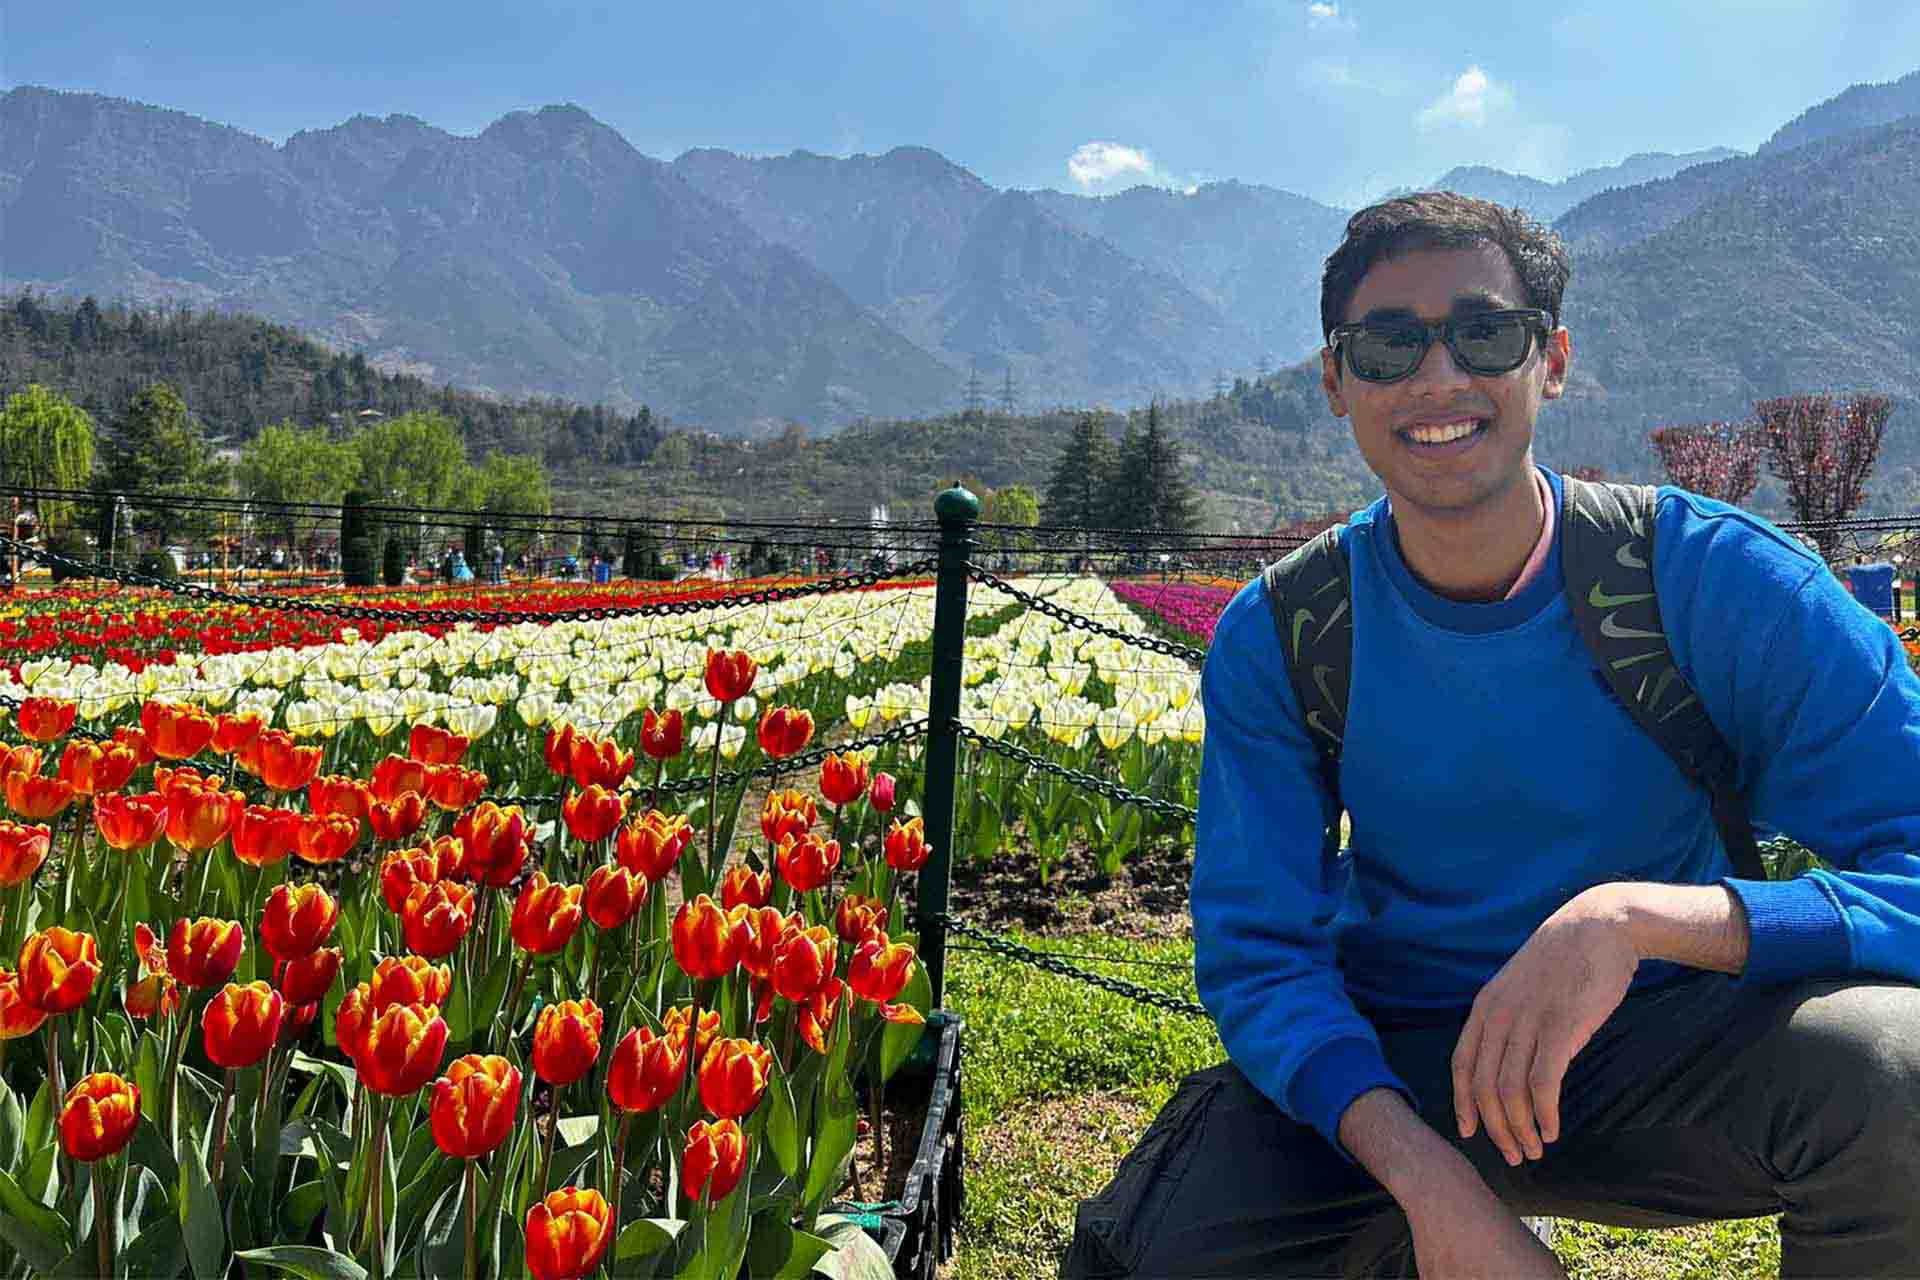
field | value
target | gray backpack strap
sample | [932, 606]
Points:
[1606, 555]
[1311, 602]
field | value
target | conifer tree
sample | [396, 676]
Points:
[1077, 489]
[1168, 497]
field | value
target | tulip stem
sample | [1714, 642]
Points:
[220, 1130]
[713, 798]
[553, 1132]
[376, 1169]
[519, 984]
[473, 1217]
[182, 1029]
[59, 1095]
[653, 794]
[879, 1141]
[613, 1185]
[102, 1220]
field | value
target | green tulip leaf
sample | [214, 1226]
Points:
[646, 1237]
[40, 1235]
[306, 1262]
[853, 1253]
[200, 1218]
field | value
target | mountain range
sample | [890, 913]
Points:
[546, 255]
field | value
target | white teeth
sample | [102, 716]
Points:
[1442, 434]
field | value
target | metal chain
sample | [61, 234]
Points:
[1165, 808]
[1053, 964]
[499, 617]
[1073, 619]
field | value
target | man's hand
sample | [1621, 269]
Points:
[1534, 1016]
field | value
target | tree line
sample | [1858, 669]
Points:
[1140, 483]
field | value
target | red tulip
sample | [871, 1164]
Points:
[205, 952]
[743, 886]
[351, 1020]
[296, 920]
[18, 1015]
[339, 794]
[435, 917]
[880, 794]
[96, 768]
[98, 1117]
[857, 916]
[322, 838]
[199, 818]
[545, 915]
[233, 733]
[907, 845]
[432, 745]
[559, 751]
[407, 980]
[843, 779]
[396, 776]
[675, 1028]
[474, 1105]
[566, 1041]
[22, 850]
[785, 732]
[804, 961]
[263, 835]
[176, 731]
[567, 1234]
[730, 675]
[733, 1076]
[598, 762]
[401, 870]
[496, 841]
[401, 1049]
[766, 929]
[21, 759]
[614, 895]
[880, 971]
[663, 736]
[652, 844]
[35, 797]
[241, 1024]
[398, 818]
[592, 812]
[807, 862]
[707, 941]
[58, 968]
[44, 719]
[130, 822]
[280, 762]
[453, 788]
[786, 813]
[646, 1070]
[714, 1160]
[307, 980]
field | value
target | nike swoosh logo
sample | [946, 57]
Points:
[1333, 618]
[1614, 631]
[1320, 675]
[1599, 599]
[1313, 722]
[1626, 556]
[1301, 617]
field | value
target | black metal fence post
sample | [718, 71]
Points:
[956, 510]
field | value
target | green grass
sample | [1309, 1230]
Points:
[1062, 1078]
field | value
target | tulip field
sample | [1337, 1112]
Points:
[408, 945]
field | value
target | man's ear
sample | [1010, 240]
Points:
[1558, 352]
[1331, 382]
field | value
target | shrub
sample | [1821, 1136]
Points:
[393, 563]
[157, 564]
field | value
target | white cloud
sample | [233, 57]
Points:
[1474, 99]
[1096, 164]
[1326, 13]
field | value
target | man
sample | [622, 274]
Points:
[1534, 986]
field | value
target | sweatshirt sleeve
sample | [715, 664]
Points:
[1263, 902]
[1816, 695]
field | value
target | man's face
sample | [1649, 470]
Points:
[1454, 477]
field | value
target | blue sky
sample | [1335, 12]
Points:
[1336, 99]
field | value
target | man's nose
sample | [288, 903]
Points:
[1439, 368]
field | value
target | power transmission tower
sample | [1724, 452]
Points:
[1220, 384]
[975, 397]
[1009, 398]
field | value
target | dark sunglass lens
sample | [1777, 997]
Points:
[1380, 354]
[1493, 344]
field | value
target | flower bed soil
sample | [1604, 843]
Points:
[1146, 898]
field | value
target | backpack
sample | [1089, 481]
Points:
[1606, 556]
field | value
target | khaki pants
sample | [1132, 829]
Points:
[1701, 1099]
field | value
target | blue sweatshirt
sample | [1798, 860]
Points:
[1490, 777]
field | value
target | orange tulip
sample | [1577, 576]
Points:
[58, 968]
[241, 1023]
[322, 838]
[96, 768]
[157, 992]
[566, 1041]
[857, 916]
[598, 762]
[592, 812]
[880, 794]
[199, 818]
[706, 941]
[21, 759]
[296, 920]
[714, 1160]
[787, 813]
[804, 962]
[402, 1049]
[743, 886]
[675, 1029]
[430, 744]
[35, 797]
[99, 1116]
[408, 980]
[663, 736]
[18, 1016]
[907, 845]
[176, 731]
[451, 787]
[880, 971]
[730, 675]
[339, 794]
[307, 980]
[233, 733]
[44, 719]
[558, 750]
[402, 869]
[169, 779]
[205, 952]
[496, 842]
[398, 818]
[131, 736]
[652, 844]
[474, 1105]
[807, 862]
[647, 1069]
[843, 779]
[733, 1076]
[22, 850]
[613, 896]
[567, 1234]
[263, 836]
[435, 917]
[816, 1016]
[130, 822]
[545, 915]
[281, 762]
[784, 731]
[395, 776]
[766, 929]
[351, 1020]
[300, 1017]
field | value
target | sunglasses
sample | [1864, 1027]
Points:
[1485, 344]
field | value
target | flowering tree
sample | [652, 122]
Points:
[1715, 459]
[1824, 447]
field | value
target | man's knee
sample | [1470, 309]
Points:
[1856, 1056]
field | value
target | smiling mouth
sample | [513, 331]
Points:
[1431, 434]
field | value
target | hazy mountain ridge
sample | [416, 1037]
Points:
[1549, 200]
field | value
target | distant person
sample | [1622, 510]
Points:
[1533, 982]
[499, 557]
